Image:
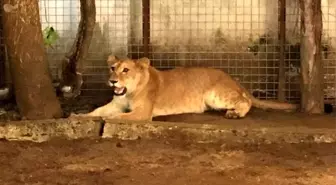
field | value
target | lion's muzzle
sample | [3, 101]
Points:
[119, 91]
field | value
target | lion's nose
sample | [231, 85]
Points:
[114, 81]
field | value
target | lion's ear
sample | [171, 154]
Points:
[144, 62]
[112, 59]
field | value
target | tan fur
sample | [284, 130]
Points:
[151, 92]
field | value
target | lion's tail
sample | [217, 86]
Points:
[269, 104]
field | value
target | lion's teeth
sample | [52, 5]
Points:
[118, 90]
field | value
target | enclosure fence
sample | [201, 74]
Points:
[241, 37]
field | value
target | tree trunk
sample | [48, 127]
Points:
[72, 80]
[35, 96]
[2, 58]
[4, 90]
[311, 64]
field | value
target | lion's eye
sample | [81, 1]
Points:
[112, 68]
[125, 70]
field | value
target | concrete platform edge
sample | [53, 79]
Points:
[44, 130]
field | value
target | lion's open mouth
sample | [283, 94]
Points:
[119, 91]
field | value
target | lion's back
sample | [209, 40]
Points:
[181, 90]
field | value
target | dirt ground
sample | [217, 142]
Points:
[165, 161]
[170, 160]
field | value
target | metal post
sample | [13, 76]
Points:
[146, 26]
[282, 39]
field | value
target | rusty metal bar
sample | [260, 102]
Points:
[133, 46]
[282, 39]
[146, 26]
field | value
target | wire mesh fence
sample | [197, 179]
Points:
[229, 35]
[240, 37]
[329, 49]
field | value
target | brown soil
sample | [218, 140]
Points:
[165, 161]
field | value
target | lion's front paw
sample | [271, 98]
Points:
[74, 115]
[231, 114]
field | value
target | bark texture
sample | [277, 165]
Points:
[35, 95]
[71, 67]
[311, 64]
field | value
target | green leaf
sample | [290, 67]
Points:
[50, 36]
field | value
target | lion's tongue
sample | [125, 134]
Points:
[118, 90]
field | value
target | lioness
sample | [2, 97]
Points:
[147, 92]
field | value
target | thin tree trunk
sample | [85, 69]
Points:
[35, 96]
[71, 67]
[311, 64]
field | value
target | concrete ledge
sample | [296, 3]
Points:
[43, 130]
[207, 133]
[245, 131]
